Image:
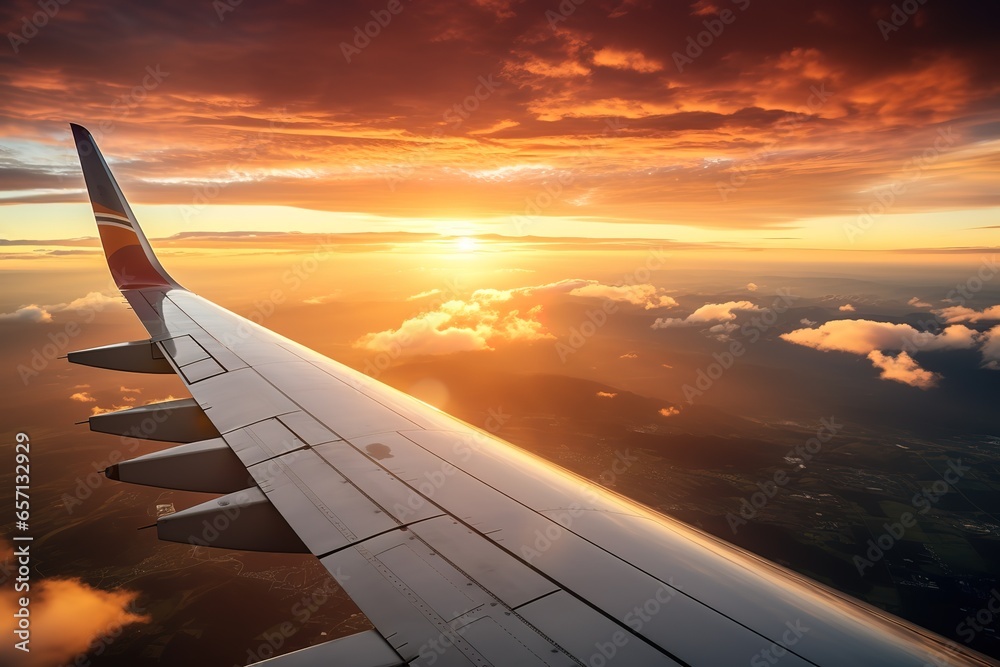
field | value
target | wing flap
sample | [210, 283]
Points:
[404, 584]
[326, 509]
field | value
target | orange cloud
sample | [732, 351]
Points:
[98, 410]
[847, 308]
[633, 60]
[606, 394]
[486, 318]
[647, 296]
[902, 368]
[36, 313]
[458, 326]
[864, 336]
[669, 412]
[323, 299]
[68, 617]
[954, 314]
[82, 397]
[710, 312]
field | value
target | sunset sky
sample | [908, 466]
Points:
[844, 125]
[446, 202]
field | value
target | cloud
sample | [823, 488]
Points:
[333, 151]
[991, 348]
[487, 318]
[869, 338]
[647, 296]
[423, 295]
[752, 287]
[847, 308]
[606, 394]
[67, 617]
[628, 60]
[459, 326]
[98, 410]
[954, 314]
[710, 312]
[917, 303]
[129, 390]
[93, 300]
[40, 314]
[82, 397]
[807, 322]
[902, 368]
[629, 355]
[31, 313]
[669, 412]
[864, 336]
[325, 298]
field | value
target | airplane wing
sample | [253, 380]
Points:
[461, 548]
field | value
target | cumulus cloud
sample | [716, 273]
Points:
[807, 322]
[67, 616]
[710, 312]
[669, 412]
[917, 303]
[752, 287]
[902, 368]
[954, 314]
[38, 314]
[458, 326]
[30, 313]
[487, 317]
[629, 355]
[864, 336]
[606, 394]
[847, 308]
[991, 348]
[82, 397]
[93, 300]
[871, 339]
[647, 296]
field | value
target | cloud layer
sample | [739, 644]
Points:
[489, 317]
[816, 101]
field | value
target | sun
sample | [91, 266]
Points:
[466, 244]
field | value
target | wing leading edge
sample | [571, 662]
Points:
[459, 547]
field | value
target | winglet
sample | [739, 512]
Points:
[130, 257]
